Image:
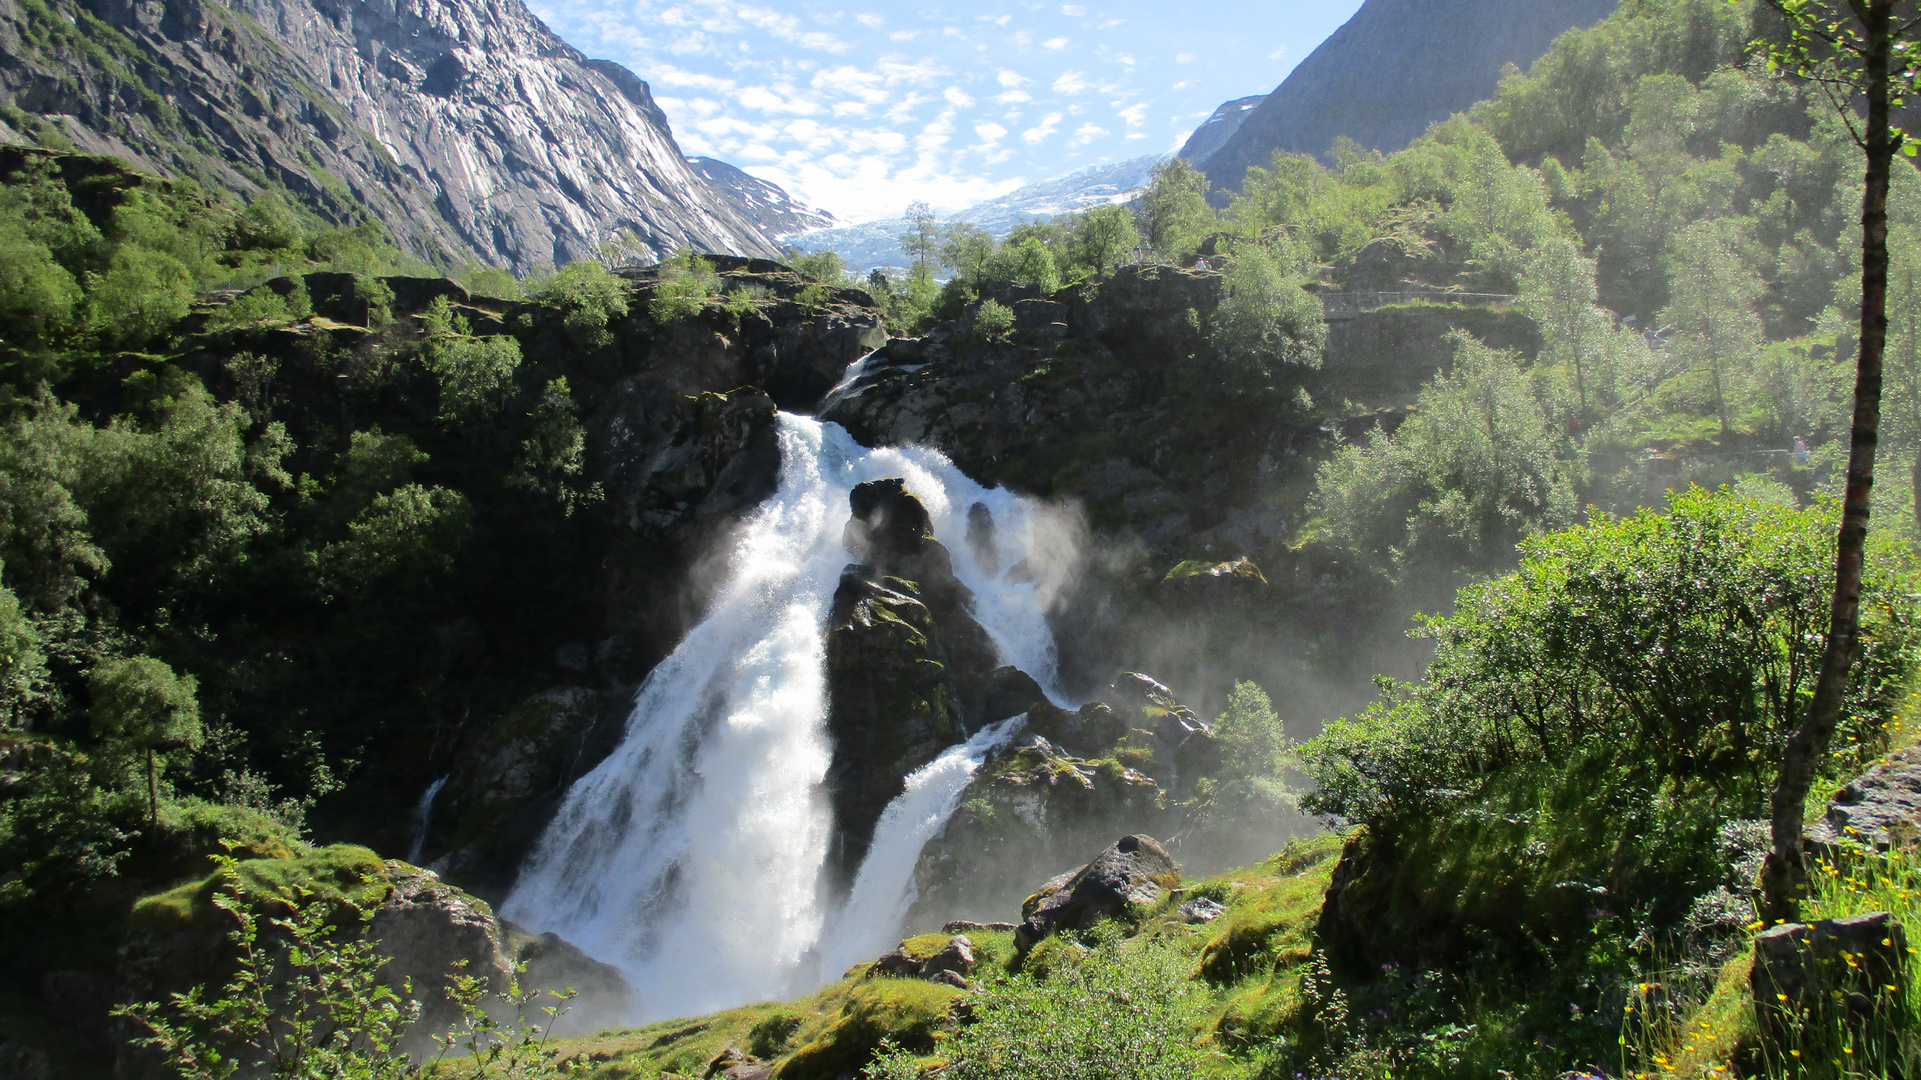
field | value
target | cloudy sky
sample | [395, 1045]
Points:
[861, 108]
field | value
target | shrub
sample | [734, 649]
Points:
[687, 282]
[589, 297]
[1122, 1010]
[993, 322]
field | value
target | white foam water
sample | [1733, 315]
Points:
[869, 922]
[691, 858]
[423, 817]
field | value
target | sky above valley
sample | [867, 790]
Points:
[863, 108]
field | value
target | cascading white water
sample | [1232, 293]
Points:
[423, 817]
[868, 923]
[691, 857]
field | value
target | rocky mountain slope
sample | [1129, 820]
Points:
[1394, 68]
[469, 130]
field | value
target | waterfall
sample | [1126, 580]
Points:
[423, 817]
[869, 923]
[691, 857]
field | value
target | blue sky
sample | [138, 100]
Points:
[861, 108]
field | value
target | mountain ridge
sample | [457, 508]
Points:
[1439, 55]
[472, 132]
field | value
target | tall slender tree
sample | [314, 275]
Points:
[1851, 50]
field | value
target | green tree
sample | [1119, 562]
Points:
[23, 665]
[476, 374]
[966, 250]
[37, 294]
[1174, 209]
[922, 239]
[686, 282]
[1860, 48]
[1557, 289]
[553, 458]
[1711, 309]
[141, 705]
[1478, 466]
[140, 294]
[589, 297]
[1101, 239]
[1266, 319]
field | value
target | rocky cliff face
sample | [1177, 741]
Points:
[470, 130]
[1394, 68]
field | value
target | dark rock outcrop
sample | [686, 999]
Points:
[469, 130]
[1392, 69]
[1069, 781]
[908, 668]
[1134, 873]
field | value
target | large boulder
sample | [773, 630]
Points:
[1134, 873]
[909, 669]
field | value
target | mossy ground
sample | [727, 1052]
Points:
[333, 874]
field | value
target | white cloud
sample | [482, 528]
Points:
[770, 100]
[1011, 78]
[990, 132]
[850, 81]
[903, 35]
[957, 97]
[952, 31]
[1049, 125]
[1087, 133]
[997, 20]
[1135, 115]
[869, 20]
[1056, 44]
[1071, 83]
[1023, 40]
[1277, 53]
[1073, 9]
[1013, 97]
[1186, 58]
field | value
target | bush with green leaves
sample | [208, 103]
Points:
[140, 705]
[554, 456]
[1266, 319]
[1634, 681]
[1122, 1009]
[686, 284]
[993, 322]
[589, 297]
[1479, 465]
[476, 374]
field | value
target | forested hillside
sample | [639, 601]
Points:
[289, 540]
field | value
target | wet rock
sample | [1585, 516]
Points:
[1807, 977]
[1236, 582]
[956, 956]
[1134, 873]
[1202, 910]
[950, 978]
[425, 928]
[1009, 692]
[1029, 810]
[909, 669]
[1880, 809]
[981, 539]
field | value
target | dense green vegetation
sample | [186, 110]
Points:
[260, 518]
